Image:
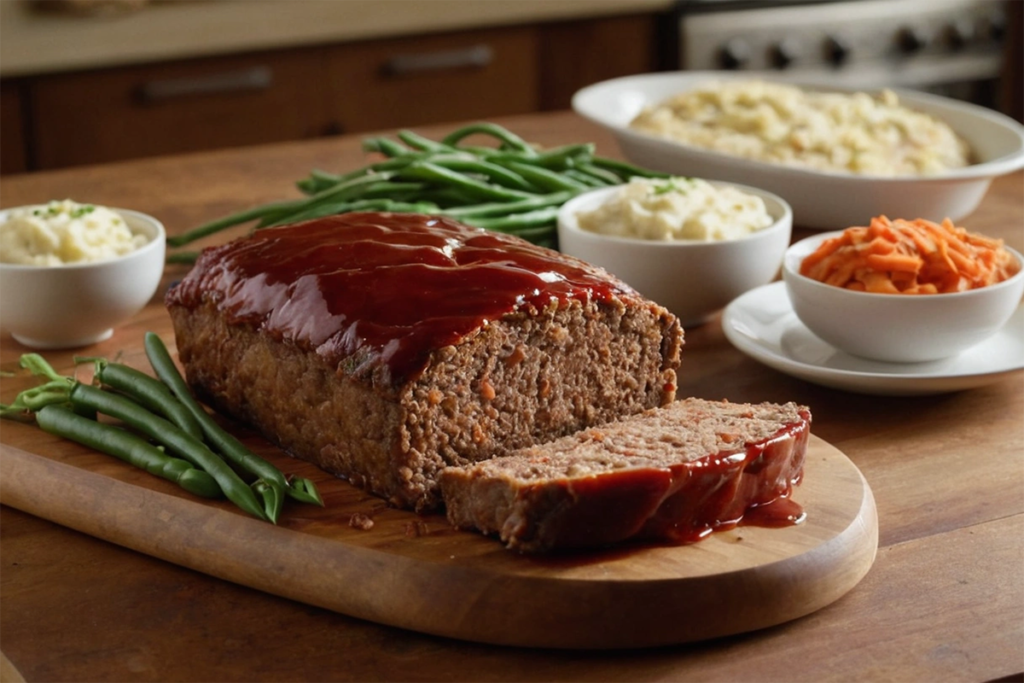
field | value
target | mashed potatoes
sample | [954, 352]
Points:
[677, 209]
[828, 131]
[65, 232]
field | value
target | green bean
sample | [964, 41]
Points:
[349, 189]
[38, 366]
[558, 158]
[608, 177]
[230, 447]
[401, 162]
[283, 211]
[384, 146]
[566, 156]
[176, 440]
[585, 178]
[505, 137]
[547, 179]
[127, 447]
[492, 172]
[272, 497]
[517, 222]
[337, 195]
[318, 180]
[419, 142]
[455, 179]
[626, 170]
[389, 189]
[432, 172]
[447, 196]
[35, 398]
[506, 208]
[187, 257]
[379, 204]
[150, 392]
[535, 234]
[222, 223]
[330, 178]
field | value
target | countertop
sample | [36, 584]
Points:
[944, 600]
[36, 42]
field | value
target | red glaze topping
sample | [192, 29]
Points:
[384, 289]
[683, 503]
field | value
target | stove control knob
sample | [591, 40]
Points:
[960, 34]
[912, 40]
[784, 53]
[837, 50]
[734, 54]
[995, 25]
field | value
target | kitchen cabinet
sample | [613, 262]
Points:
[429, 79]
[578, 53]
[13, 146]
[160, 109]
[69, 119]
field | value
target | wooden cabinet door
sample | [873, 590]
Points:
[176, 107]
[576, 54]
[13, 140]
[430, 79]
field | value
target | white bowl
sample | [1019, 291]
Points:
[897, 328]
[692, 278]
[819, 199]
[73, 305]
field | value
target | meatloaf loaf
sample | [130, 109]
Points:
[385, 347]
[677, 473]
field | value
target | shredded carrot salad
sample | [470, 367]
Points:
[910, 257]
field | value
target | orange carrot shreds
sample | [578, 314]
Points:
[910, 257]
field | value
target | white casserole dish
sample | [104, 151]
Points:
[822, 200]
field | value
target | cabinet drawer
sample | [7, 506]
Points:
[176, 107]
[431, 79]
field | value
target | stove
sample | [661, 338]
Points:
[949, 47]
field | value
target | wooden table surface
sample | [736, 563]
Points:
[944, 600]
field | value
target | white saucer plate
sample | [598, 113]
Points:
[762, 324]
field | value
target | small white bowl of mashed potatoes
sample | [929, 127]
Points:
[689, 244]
[70, 272]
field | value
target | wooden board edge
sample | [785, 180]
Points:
[483, 607]
[664, 613]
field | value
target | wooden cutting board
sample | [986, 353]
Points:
[416, 572]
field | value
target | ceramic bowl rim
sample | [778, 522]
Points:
[990, 168]
[156, 242]
[567, 219]
[790, 274]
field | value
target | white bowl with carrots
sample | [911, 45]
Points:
[903, 291]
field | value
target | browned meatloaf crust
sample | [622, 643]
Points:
[677, 472]
[384, 347]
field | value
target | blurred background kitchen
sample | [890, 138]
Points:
[92, 81]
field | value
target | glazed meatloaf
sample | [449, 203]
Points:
[385, 347]
[674, 473]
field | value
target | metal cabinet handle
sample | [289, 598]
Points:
[477, 56]
[255, 78]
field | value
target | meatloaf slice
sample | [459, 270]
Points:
[385, 347]
[677, 473]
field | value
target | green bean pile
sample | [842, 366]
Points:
[165, 431]
[510, 187]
